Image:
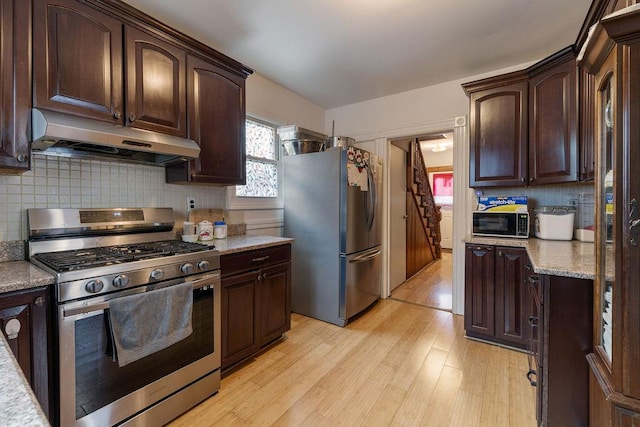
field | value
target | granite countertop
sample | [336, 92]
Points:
[569, 258]
[19, 405]
[246, 242]
[19, 275]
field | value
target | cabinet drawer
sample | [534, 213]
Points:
[251, 260]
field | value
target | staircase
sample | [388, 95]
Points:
[423, 214]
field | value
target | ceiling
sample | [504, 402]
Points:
[339, 52]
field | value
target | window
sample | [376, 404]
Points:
[263, 186]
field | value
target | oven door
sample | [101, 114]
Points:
[95, 391]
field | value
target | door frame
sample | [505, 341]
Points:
[464, 199]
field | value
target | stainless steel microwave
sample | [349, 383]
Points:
[501, 224]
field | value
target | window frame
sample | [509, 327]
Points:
[235, 202]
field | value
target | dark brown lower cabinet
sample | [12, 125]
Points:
[561, 332]
[24, 319]
[496, 307]
[256, 301]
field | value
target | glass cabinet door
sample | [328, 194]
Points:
[606, 201]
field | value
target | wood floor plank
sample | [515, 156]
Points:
[398, 365]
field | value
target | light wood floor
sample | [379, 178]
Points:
[397, 365]
[432, 286]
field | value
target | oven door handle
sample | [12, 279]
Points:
[199, 281]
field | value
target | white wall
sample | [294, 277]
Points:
[266, 99]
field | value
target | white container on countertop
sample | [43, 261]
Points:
[205, 231]
[554, 222]
[219, 230]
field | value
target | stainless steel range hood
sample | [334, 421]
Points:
[65, 135]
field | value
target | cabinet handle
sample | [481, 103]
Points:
[531, 179]
[500, 253]
[528, 267]
[259, 277]
[260, 259]
[116, 115]
[529, 374]
[132, 118]
[634, 223]
[533, 321]
[22, 158]
[523, 179]
[39, 302]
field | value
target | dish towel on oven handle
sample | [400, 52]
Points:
[145, 323]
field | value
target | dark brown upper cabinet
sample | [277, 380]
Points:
[216, 109]
[553, 121]
[524, 125]
[156, 91]
[15, 85]
[78, 60]
[498, 117]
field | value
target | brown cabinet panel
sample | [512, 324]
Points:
[240, 312]
[587, 125]
[156, 89]
[25, 323]
[510, 297]
[275, 302]
[216, 109]
[256, 300]
[479, 316]
[15, 85]
[498, 132]
[77, 60]
[553, 143]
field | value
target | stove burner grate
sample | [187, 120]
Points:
[81, 259]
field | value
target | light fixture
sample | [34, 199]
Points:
[438, 147]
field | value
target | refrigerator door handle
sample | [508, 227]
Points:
[365, 257]
[372, 199]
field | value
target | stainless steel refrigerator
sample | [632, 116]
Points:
[332, 209]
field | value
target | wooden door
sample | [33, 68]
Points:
[275, 302]
[511, 308]
[398, 216]
[240, 314]
[498, 134]
[77, 60]
[216, 112]
[479, 317]
[628, 271]
[156, 88]
[15, 85]
[553, 124]
[24, 321]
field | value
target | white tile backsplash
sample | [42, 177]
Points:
[59, 182]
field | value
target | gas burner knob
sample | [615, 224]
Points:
[203, 265]
[186, 268]
[157, 274]
[120, 281]
[94, 286]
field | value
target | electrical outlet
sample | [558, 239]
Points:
[191, 203]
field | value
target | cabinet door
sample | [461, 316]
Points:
[498, 136]
[240, 315]
[275, 302]
[479, 316]
[553, 125]
[511, 308]
[15, 84]
[24, 320]
[77, 60]
[156, 91]
[216, 111]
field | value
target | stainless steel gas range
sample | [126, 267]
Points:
[138, 314]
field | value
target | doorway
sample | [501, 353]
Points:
[431, 286]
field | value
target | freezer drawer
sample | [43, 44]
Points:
[360, 282]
